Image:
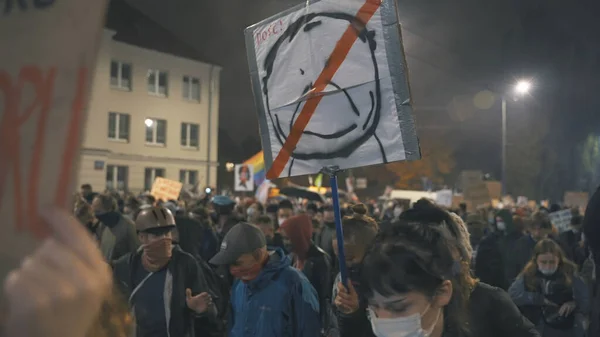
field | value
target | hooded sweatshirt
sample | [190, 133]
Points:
[495, 257]
[299, 230]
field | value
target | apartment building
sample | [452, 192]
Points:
[152, 114]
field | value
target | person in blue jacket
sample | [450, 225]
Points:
[269, 297]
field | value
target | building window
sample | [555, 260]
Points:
[157, 82]
[190, 134]
[120, 75]
[117, 177]
[191, 88]
[118, 126]
[156, 131]
[150, 174]
[188, 177]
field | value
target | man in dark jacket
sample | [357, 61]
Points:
[269, 297]
[115, 233]
[495, 252]
[164, 285]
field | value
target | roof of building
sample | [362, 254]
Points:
[135, 28]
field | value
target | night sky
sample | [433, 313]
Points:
[455, 49]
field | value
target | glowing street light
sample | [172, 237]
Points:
[148, 122]
[522, 87]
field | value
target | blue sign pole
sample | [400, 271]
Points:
[338, 223]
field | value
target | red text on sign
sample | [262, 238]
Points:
[273, 29]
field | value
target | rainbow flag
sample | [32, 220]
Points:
[258, 164]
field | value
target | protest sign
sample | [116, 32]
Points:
[47, 61]
[522, 201]
[561, 219]
[576, 199]
[243, 178]
[475, 190]
[166, 189]
[330, 84]
[444, 198]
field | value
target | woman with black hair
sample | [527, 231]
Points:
[409, 281]
[491, 311]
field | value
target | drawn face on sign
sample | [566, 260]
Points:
[348, 114]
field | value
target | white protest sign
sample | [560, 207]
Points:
[330, 84]
[244, 178]
[561, 219]
[47, 61]
[444, 198]
[522, 201]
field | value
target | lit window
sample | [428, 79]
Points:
[156, 131]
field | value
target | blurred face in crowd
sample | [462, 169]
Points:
[85, 191]
[547, 263]
[287, 242]
[248, 266]
[267, 230]
[97, 206]
[538, 233]
[328, 216]
[354, 252]
[284, 214]
[319, 217]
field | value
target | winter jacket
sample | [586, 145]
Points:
[280, 302]
[494, 257]
[531, 302]
[196, 238]
[493, 314]
[183, 273]
[118, 240]
[569, 241]
[317, 268]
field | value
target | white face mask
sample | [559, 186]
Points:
[281, 221]
[250, 212]
[409, 326]
[548, 271]
[397, 212]
[501, 226]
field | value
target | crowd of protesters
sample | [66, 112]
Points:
[216, 266]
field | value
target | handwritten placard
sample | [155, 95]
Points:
[561, 219]
[47, 61]
[166, 189]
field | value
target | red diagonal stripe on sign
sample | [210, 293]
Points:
[339, 54]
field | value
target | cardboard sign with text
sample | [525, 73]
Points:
[47, 63]
[166, 189]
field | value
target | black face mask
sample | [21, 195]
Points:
[110, 219]
[269, 240]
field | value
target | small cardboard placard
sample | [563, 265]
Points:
[166, 189]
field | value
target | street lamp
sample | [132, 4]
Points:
[148, 122]
[521, 88]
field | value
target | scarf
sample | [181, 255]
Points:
[157, 254]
